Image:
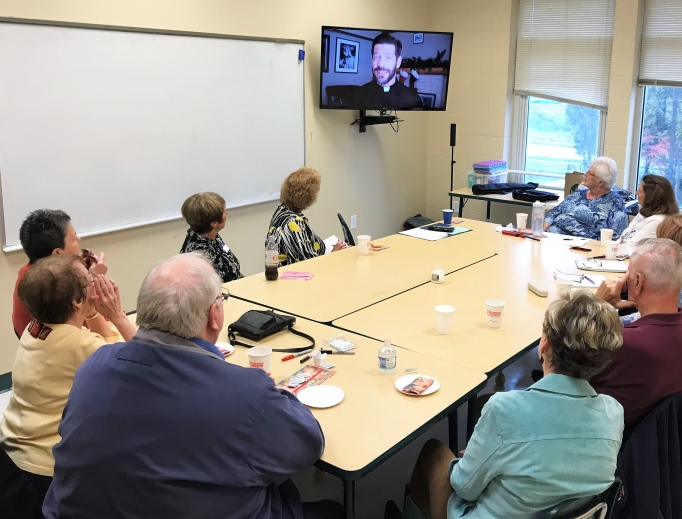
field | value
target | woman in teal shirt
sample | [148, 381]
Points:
[533, 449]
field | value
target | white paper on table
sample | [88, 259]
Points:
[425, 234]
[606, 266]
[500, 228]
[571, 241]
[329, 243]
[581, 281]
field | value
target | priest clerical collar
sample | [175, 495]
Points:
[387, 88]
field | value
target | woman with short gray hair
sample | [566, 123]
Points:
[521, 459]
[587, 211]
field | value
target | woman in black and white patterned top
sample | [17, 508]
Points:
[206, 214]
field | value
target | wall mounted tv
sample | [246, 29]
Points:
[368, 69]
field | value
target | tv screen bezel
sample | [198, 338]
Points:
[336, 27]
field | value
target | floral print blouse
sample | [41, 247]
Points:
[296, 241]
[579, 216]
[221, 257]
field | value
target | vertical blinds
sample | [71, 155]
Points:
[661, 57]
[563, 50]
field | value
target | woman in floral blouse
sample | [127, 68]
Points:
[586, 212]
[296, 241]
[206, 214]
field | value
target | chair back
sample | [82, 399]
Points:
[591, 507]
[347, 235]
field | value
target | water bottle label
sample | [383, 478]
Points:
[385, 363]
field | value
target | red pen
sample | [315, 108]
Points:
[294, 355]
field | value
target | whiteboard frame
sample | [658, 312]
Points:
[168, 32]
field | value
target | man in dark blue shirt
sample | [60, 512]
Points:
[162, 426]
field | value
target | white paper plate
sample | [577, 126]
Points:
[404, 381]
[321, 396]
[225, 346]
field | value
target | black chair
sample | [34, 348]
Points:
[591, 507]
[347, 235]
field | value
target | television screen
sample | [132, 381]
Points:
[366, 69]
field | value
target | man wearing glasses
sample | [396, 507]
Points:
[161, 426]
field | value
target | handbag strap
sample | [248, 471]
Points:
[234, 342]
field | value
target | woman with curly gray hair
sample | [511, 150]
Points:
[296, 241]
[533, 449]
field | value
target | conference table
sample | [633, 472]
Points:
[345, 281]
[374, 420]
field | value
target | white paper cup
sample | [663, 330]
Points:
[444, 317]
[563, 286]
[611, 250]
[494, 309]
[259, 357]
[521, 221]
[316, 356]
[606, 235]
[437, 274]
[363, 243]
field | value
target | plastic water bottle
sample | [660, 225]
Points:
[538, 218]
[387, 358]
[271, 260]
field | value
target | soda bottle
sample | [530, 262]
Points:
[387, 358]
[271, 259]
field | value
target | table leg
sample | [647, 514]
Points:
[487, 213]
[461, 206]
[349, 499]
[453, 432]
[471, 416]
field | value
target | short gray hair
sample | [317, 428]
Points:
[176, 295]
[606, 170]
[659, 260]
[584, 333]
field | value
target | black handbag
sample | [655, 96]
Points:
[257, 324]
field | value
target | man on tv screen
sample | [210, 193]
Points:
[384, 91]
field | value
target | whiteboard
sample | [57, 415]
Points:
[118, 128]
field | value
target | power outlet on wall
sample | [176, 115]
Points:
[354, 221]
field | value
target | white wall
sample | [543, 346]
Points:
[379, 175]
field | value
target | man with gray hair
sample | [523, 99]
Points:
[162, 426]
[648, 367]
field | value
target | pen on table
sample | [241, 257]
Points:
[531, 238]
[297, 354]
[332, 352]
[588, 279]
[307, 357]
[598, 257]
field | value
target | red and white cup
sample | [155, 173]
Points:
[494, 309]
[259, 357]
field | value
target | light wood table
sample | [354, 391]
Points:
[409, 318]
[346, 281]
[466, 193]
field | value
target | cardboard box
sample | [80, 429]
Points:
[573, 180]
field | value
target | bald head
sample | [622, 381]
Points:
[177, 294]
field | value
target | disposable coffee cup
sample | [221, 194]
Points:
[563, 286]
[606, 235]
[259, 357]
[316, 356]
[437, 274]
[494, 309]
[611, 250]
[363, 243]
[521, 221]
[444, 316]
[447, 216]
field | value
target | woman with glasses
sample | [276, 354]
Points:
[657, 200]
[60, 294]
[587, 211]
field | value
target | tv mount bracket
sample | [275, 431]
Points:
[367, 120]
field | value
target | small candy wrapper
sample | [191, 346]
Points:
[417, 386]
[290, 274]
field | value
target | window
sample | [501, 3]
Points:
[660, 80]
[560, 138]
[561, 85]
[660, 149]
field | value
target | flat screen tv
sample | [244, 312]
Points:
[371, 69]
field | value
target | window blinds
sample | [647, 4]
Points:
[563, 50]
[661, 58]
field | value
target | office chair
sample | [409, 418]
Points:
[347, 236]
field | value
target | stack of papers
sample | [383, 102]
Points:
[425, 234]
[601, 266]
[581, 280]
